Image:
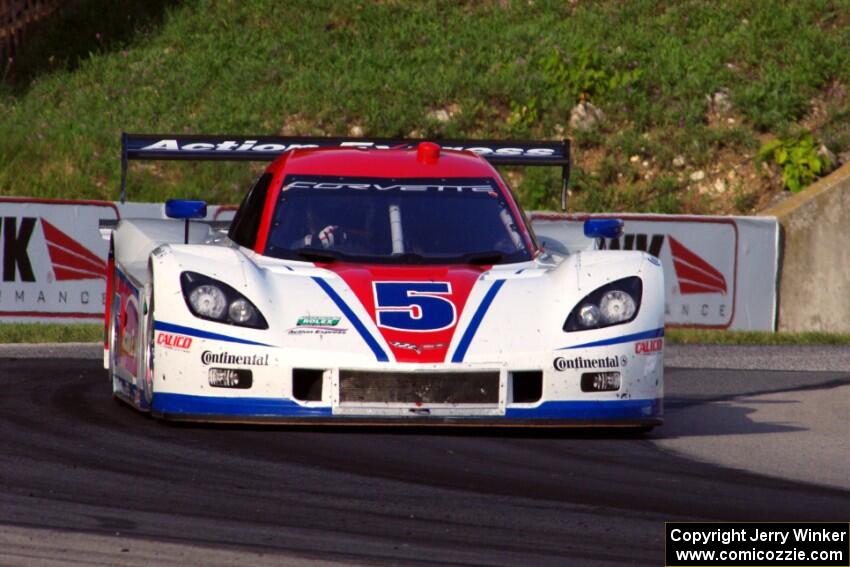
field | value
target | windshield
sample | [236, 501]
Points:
[454, 220]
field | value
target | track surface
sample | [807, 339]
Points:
[73, 460]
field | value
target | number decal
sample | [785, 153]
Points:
[414, 306]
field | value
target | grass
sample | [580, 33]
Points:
[50, 333]
[500, 69]
[720, 337]
[53, 333]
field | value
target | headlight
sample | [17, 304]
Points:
[617, 306]
[588, 315]
[216, 301]
[241, 311]
[612, 304]
[208, 301]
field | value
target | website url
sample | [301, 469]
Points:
[705, 555]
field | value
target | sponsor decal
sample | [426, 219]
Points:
[316, 331]
[311, 321]
[651, 346]
[700, 285]
[130, 330]
[580, 363]
[415, 347]
[239, 378]
[246, 146]
[317, 325]
[172, 341]
[209, 357]
[128, 333]
[695, 275]
[16, 239]
[45, 271]
[69, 259]
[650, 243]
[438, 187]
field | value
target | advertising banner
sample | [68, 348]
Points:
[53, 257]
[720, 272]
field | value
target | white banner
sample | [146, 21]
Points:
[53, 258]
[720, 272]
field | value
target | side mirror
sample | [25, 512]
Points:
[603, 228]
[185, 209]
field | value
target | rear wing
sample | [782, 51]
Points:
[267, 148]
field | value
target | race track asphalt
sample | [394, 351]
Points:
[86, 480]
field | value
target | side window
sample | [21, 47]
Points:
[243, 230]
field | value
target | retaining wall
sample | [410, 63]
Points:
[814, 284]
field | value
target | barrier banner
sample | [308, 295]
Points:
[53, 260]
[53, 257]
[720, 272]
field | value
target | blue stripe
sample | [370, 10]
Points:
[613, 410]
[220, 406]
[472, 328]
[655, 333]
[361, 328]
[172, 328]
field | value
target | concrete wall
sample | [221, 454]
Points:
[814, 288]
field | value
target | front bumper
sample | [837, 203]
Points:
[182, 390]
[613, 413]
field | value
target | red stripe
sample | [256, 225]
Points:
[685, 272]
[689, 271]
[65, 259]
[65, 274]
[688, 288]
[695, 270]
[110, 274]
[55, 236]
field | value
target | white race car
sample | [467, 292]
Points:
[370, 282]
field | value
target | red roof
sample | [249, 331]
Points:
[380, 163]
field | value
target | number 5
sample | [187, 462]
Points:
[414, 306]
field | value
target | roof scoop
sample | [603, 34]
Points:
[428, 153]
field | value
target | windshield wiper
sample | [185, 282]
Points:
[484, 258]
[317, 255]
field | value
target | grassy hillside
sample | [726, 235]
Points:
[689, 90]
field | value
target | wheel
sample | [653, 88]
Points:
[115, 314]
[150, 346]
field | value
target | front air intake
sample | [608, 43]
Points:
[365, 386]
[307, 384]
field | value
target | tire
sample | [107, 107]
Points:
[115, 313]
[150, 347]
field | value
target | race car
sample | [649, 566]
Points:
[379, 281]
